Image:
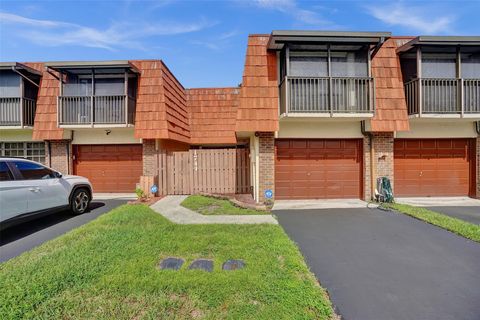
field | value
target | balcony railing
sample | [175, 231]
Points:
[17, 111]
[443, 96]
[327, 95]
[96, 110]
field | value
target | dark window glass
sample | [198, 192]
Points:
[5, 174]
[33, 171]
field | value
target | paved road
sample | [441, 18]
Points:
[470, 214]
[18, 239]
[384, 265]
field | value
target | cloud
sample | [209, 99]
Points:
[116, 35]
[218, 42]
[291, 7]
[415, 18]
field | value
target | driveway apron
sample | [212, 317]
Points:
[385, 265]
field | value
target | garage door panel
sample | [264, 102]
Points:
[325, 169]
[110, 168]
[431, 167]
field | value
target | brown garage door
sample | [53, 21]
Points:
[110, 168]
[318, 169]
[432, 167]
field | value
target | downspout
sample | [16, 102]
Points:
[49, 145]
[477, 127]
[372, 162]
[69, 159]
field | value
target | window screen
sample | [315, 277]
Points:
[308, 66]
[9, 84]
[33, 171]
[5, 174]
[438, 66]
[349, 64]
[471, 66]
[109, 86]
[77, 87]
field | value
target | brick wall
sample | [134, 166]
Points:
[149, 158]
[60, 158]
[382, 160]
[266, 161]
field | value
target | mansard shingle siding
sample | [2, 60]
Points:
[213, 113]
[391, 109]
[258, 104]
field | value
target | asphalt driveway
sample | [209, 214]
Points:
[385, 265]
[18, 239]
[469, 214]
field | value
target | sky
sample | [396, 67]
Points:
[204, 42]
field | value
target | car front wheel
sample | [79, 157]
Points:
[80, 201]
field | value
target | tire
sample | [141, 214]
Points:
[80, 201]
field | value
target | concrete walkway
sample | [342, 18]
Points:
[440, 201]
[170, 208]
[319, 204]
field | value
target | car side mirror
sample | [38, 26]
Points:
[57, 174]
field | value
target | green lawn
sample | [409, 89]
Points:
[465, 229]
[108, 269]
[212, 206]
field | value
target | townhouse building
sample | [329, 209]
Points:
[318, 115]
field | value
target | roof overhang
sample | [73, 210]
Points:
[16, 66]
[451, 41]
[278, 38]
[79, 65]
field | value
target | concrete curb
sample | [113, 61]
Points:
[170, 208]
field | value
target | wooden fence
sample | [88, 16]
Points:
[219, 171]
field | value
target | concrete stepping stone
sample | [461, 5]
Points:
[202, 264]
[171, 263]
[233, 264]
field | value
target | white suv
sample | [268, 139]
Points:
[28, 189]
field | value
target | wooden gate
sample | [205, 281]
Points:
[219, 171]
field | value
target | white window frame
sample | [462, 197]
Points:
[25, 149]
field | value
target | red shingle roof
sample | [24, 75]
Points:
[213, 113]
[258, 107]
[161, 104]
[391, 108]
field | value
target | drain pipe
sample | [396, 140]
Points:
[372, 162]
[477, 127]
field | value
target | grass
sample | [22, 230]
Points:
[212, 206]
[108, 269]
[465, 229]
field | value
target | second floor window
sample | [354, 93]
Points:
[9, 84]
[470, 65]
[315, 64]
[436, 65]
[82, 86]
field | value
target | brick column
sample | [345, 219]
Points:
[60, 158]
[266, 164]
[149, 158]
[382, 160]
